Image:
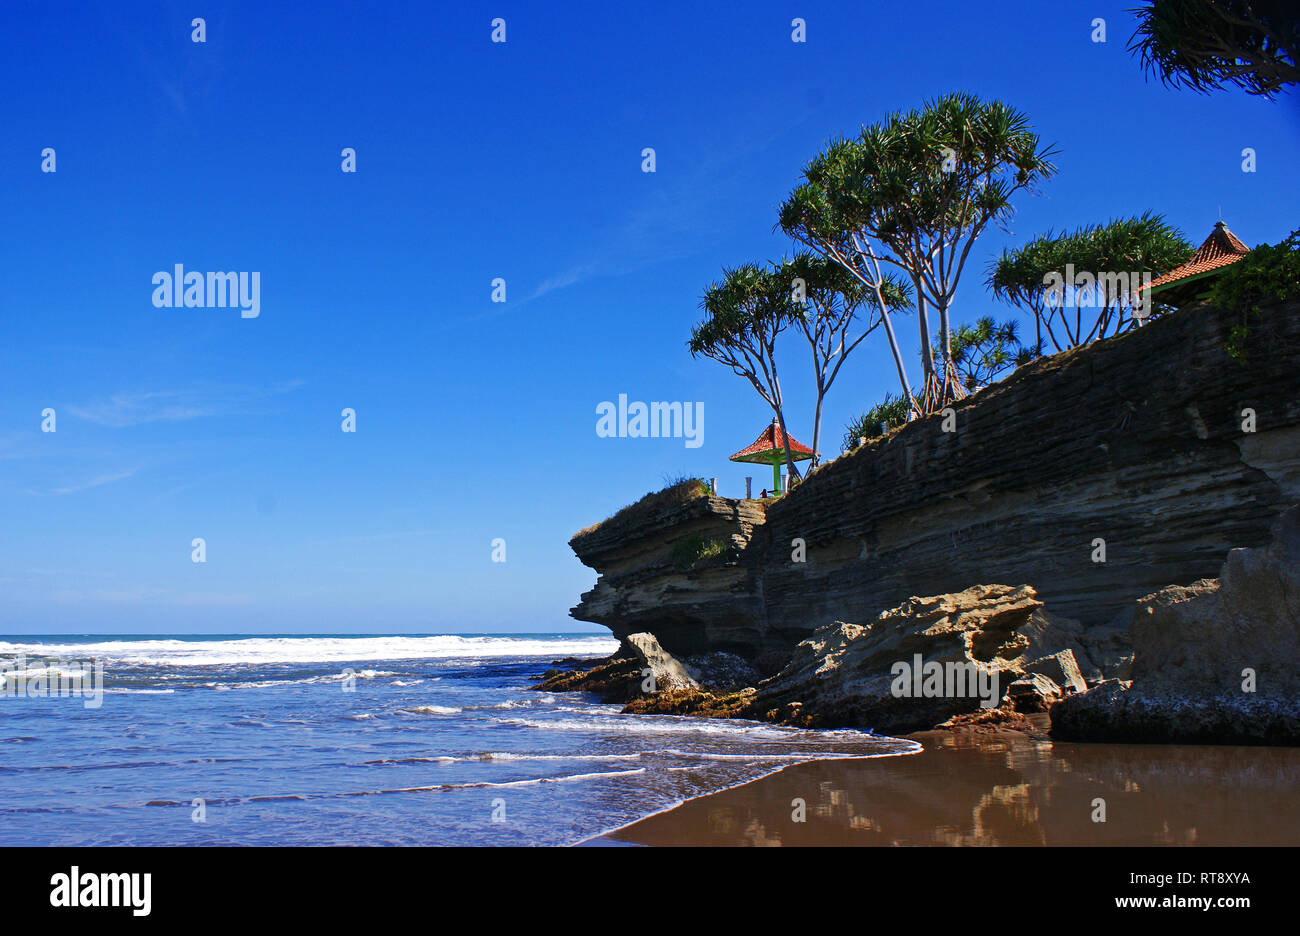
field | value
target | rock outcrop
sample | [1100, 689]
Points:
[638, 667]
[922, 663]
[1061, 669]
[1032, 693]
[1137, 441]
[1217, 661]
[659, 668]
[646, 585]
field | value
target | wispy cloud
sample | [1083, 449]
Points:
[669, 223]
[144, 595]
[132, 409]
[92, 483]
[573, 275]
[391, 534]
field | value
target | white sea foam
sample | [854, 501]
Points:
[308, 681]
[139, 691]
[507, 758]
[676, 724]
[754, 757]
[267, 650]
[433, 710]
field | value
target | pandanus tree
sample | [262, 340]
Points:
[744, 313]
[749, 308]
[985, 350]
[1097, 268]
[835, 311]
[1207, 44]
[915, 191]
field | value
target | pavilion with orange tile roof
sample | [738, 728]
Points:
[769, 448]
[1220, 250]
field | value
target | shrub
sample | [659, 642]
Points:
[693, 547]
[1268, 273]
[892, 411]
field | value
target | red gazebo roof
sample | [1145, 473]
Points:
[1222, 248]
[770, 445]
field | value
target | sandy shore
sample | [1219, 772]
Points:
[1003, 788]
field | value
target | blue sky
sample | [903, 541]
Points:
[522, 160]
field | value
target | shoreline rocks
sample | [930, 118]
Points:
[1214, 662]
[926, 662]
[888, 676]
[1073, 447]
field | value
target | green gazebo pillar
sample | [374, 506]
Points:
[770, 448]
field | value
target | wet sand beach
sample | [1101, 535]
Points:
[1002, 788]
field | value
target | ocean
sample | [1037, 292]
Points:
[351, 740]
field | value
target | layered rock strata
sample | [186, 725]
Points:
[1217, 661]
[1135, 449]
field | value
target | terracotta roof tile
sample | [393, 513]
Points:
[771, 440]
[1222, 248]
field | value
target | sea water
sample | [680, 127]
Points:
[356, 740]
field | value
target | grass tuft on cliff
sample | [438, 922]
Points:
[690, 549]
[679, 491]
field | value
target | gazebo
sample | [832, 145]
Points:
[769, 449]
[1190, 281]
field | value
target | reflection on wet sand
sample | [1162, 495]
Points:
[1004, 789]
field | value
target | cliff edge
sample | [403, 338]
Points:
[1155, 445]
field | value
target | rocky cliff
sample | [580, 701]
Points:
[1214, 662]
[1142, 442]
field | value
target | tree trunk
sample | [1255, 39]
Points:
[928, 381]
[947, 390]
[817, 427]
[898, 359]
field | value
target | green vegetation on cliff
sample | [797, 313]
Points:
[678, 491]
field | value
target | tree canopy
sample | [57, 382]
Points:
[745, 312]
[1207, 44]
[1057, 276]
[985, 350]
[915, 191]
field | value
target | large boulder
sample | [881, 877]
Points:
[664, 669]
[1032, 693]
[1214, 661]
[918, 664]
[1061, 668]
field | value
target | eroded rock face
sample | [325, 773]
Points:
[918, 664]
[693, 607]
[1061, 669]
[1214, 661]
[1032, 693]
[1137, 440]
[661, 668]
[639, 662]
[722, 671]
